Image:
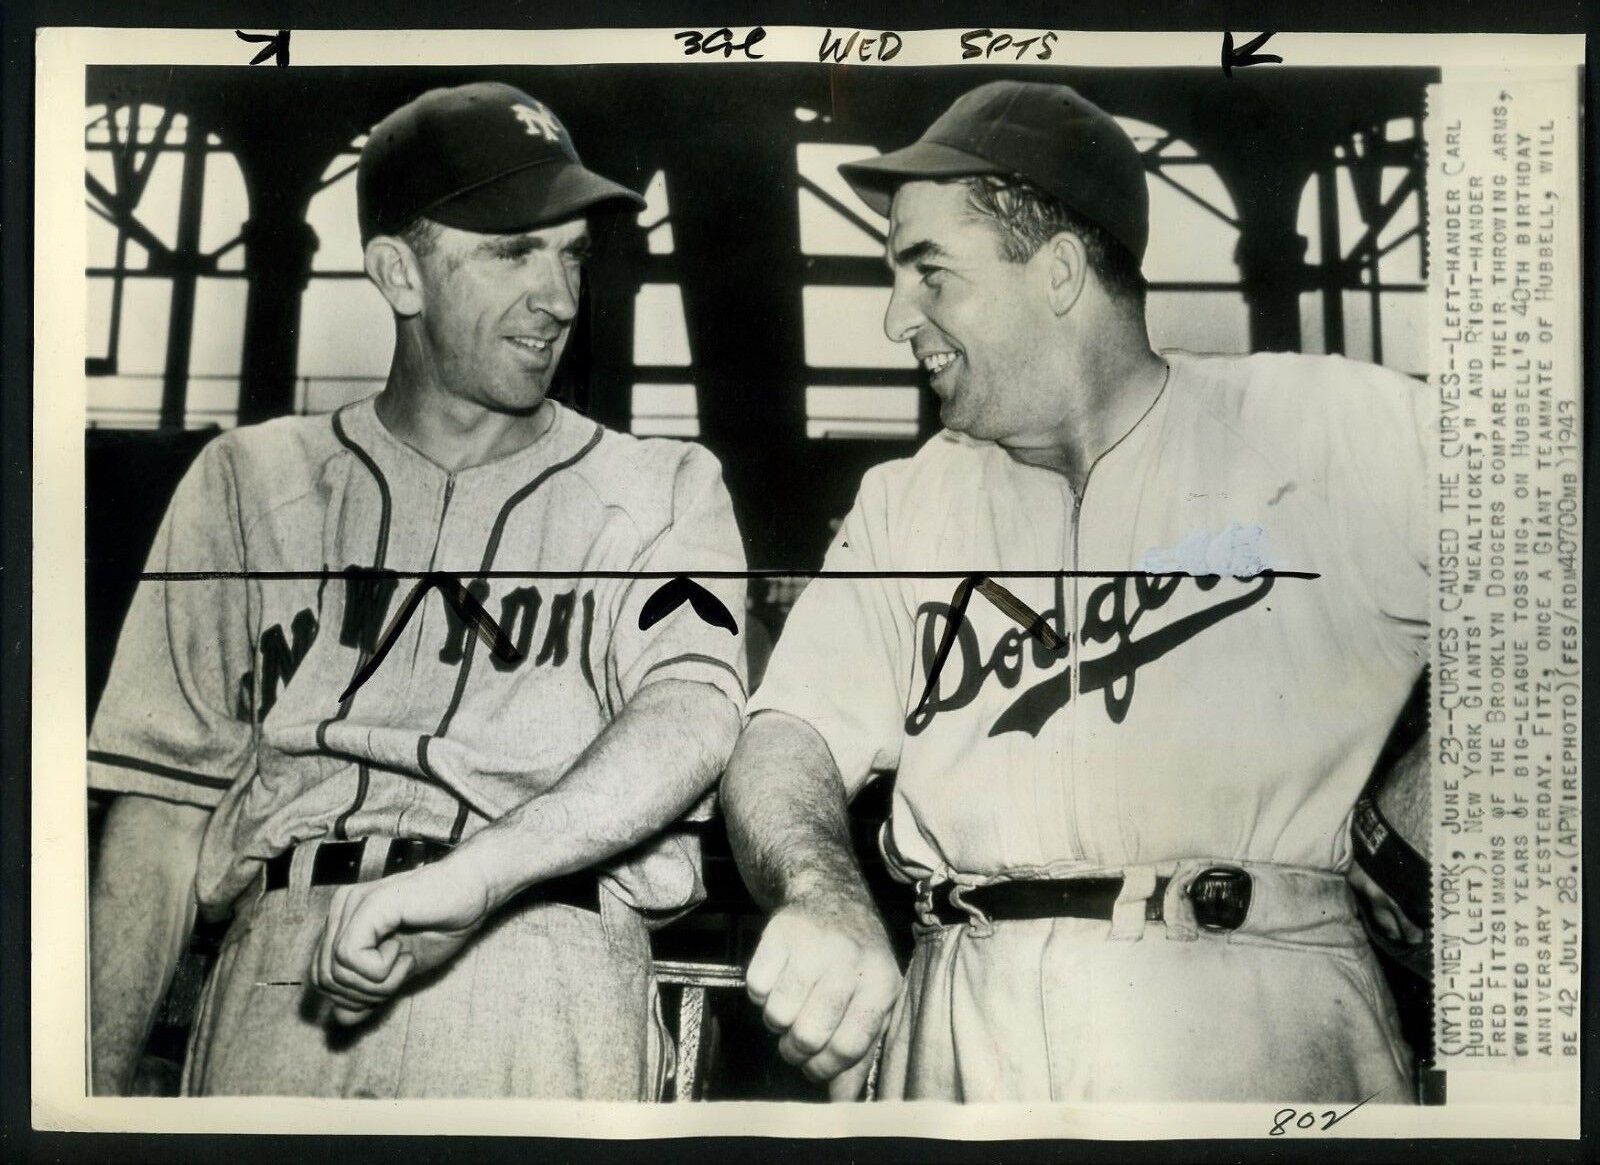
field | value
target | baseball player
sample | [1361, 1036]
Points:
[1124, 781]
[440, 876]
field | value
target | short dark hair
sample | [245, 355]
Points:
[1026, 217]
[421, 235]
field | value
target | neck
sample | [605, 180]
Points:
[1114, 385]
[451, 432]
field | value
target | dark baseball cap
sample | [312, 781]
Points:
[484, 157]
[1048, 134]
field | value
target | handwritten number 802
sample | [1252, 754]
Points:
[1307, 1120]
[1304, 1120]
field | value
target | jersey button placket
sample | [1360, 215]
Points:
[422, 688]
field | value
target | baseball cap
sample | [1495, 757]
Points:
[482, 157]
[1048, 134]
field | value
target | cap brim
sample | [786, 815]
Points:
[533, 196]
[877, 179]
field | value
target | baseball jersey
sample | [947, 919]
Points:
[1234, 714]
[225, 691]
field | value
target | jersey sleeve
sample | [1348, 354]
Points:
[841, 662]
[169, 723]
[1378, 486]
[686, 638]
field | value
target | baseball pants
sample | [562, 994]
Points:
[548, 1000]
[1290, 1007]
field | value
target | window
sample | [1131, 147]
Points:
[166, 280]
[860, 384]
[346, 328]
[1195, 302]
[664, 402]
[1361, 215]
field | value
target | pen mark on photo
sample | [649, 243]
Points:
[1245, 56]
[768, 573]
[1030, 620]
[466, 607]
[672, 595]
[276, 46]
[1014, 608]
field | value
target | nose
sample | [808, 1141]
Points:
[555, 290]
[903, 316]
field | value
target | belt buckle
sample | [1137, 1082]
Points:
[1221, 897]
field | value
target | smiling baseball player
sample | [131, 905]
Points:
[439, 882]
[1129, 839]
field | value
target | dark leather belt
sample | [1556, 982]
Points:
[1220, 894]
[338, 863]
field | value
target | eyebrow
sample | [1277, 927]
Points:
[521, 244]
[916, 252]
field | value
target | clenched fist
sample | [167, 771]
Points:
[380, 934]
[826, 979]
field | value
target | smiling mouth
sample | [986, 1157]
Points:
[937, 362]
[529, 344]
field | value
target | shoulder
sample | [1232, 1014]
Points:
[266, 463]
[1275, 386]
[279, 443]
[646, 477]
[1287, 404]
[944, 467]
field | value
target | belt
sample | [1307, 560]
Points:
[1220, 895]
[338, 863]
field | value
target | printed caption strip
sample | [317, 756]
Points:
[1505, 315]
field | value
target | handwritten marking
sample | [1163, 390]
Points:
[985, 43]
[957, 619]
[466, 607]
[884, 46]
[674, 594]
[1030, 620]
[1244, 57]
[1308, 1119]
[771, 572]
[721, 41]
[277, 46]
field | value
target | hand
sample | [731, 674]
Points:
[1385, 913]
[380, 934]
[826, 980]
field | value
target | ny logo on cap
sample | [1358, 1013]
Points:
[538, 120]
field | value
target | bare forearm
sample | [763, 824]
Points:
[824, 974]
[785, 807]
[142, 910]
[643, 773]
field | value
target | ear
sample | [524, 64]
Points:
[1066, 270]
[395, 269]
